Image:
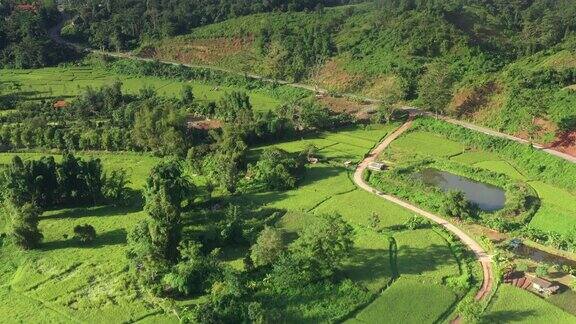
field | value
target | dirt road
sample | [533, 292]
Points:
[484, 259]
[54, 34]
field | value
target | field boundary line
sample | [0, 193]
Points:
[479, 252]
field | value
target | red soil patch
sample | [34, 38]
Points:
[360, 110]
[27, 7]
[565, 143]
[470, 101]
[333, 77]
[60, 104]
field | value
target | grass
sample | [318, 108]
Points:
[558, 211]
[514, 305]
[67, 283]
[427, 143]
[408, 301]
[565, 300]
[67, 82]
[558, 206]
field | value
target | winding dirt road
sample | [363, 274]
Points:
[484, 259]
[54, 34]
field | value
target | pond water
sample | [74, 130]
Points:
[487, 197]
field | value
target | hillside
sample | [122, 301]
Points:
[510, 75]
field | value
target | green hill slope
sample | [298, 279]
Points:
[510, 65]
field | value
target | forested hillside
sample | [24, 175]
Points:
[24, 41]
[124, 24]
[505, 64]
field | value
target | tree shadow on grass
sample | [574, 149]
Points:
[100, 211]
[420, 260]
[506, 316]
[109, 238]
[368, 265]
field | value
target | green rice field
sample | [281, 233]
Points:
[68, 283]
[67, 82]
[558, 206]
[514, 305]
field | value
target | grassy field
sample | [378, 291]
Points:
[513, 305]
[67, 82]
[69, 283]
[426, 143]
[422, 254]
[558, 206]
[408, 301]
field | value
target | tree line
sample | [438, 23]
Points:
[31, 186]
[125, 24]
[169, 264]
[108, 119]
[24, 41]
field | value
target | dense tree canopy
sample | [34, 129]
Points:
[123, 24]
[24, 41]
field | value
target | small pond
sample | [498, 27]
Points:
[488, 197]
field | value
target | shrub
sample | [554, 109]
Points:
[84, 233]
[268, 247]
[542, 270]
[522, 266]
[456, 205]
[416, 222]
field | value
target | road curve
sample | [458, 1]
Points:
[484, 259]
[54, 34]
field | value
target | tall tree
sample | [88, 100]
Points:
[435, 87]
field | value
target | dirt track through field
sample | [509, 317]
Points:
[484, 259]
[54, 34]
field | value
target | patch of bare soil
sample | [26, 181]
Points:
[200, 51]
[468, 102]
[333, 77]
[204, 124]
[360, 110]
[565, 143]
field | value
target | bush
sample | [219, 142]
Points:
[268, 248]
[416, 222]
[542, 270]
[456, 205]
[522, 266]
[84, 233]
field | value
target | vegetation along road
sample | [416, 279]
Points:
[481, 255]
[54, 33]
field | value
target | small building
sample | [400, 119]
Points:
[544, 286]
[60, 104]
[377, 166]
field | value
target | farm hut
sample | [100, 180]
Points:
[377, 166]
[544, 286]
[60, 104]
